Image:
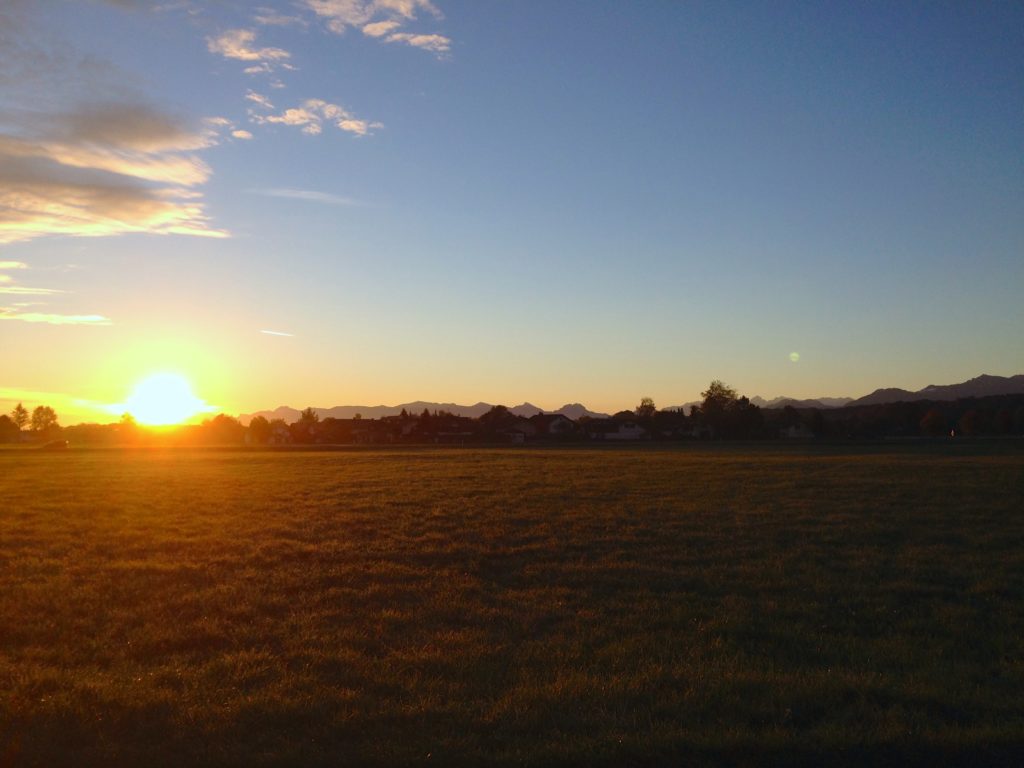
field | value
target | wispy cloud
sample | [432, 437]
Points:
[21, 290]
[40, 197]
[341, 14]
[311, 115]
[103, 167]
[259, 98]
[380, 28]
[268, 17]
[228, 127]
[277, 333]
[16, 310]
[435, 43]
[238, 44]
[306, 194]
[381, 19]
[8, 288]
[9, 313]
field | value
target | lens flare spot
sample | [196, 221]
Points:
[794, 357]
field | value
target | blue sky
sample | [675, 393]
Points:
[462, 201]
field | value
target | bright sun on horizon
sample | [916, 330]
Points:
[163, 399]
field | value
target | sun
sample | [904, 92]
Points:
[163, 399]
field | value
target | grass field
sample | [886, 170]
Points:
[512, 607]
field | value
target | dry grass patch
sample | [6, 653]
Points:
[519, 607]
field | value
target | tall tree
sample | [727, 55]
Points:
[718, 396]
[259, 429]
[646, 409]
[305, 429]
[19, 416]
[714, 410]
[43, 418]
[728, 415]
[222, 430]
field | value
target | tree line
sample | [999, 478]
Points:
[722, 414]
[42, 423]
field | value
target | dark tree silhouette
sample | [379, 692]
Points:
[817, 423]
[223, 429]
[8, 429]
[19, 416]
[127, 428]
[718, 396]
[279, 427]
[713, 411]
[646, 409]
[259, 429]
[790, 417]
[724, 414]
[43, 419]
[933, 423]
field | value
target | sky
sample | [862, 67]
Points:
[342, 202]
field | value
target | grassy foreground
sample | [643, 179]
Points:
[516, 607]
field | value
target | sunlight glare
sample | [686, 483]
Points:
[163, 399]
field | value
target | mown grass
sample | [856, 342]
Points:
[512, 607]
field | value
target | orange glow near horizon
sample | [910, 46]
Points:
[164, 399]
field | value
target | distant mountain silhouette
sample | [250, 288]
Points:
[982, 386]
[573, 411]
[818, 402]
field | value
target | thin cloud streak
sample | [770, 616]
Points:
[268, 17]
[277, 333]
[7, 313]
[435, 43]
[306, 194]
[20, 290]
[16, 309]
[259, 98]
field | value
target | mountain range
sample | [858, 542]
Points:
[980, 386]
[573, 411]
